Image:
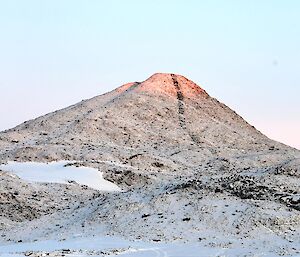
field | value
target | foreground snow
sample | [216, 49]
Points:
[110, 246]
[59, 172]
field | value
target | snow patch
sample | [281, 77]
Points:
[59, 172]
[87, 245]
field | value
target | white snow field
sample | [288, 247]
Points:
[59, 172]
[113, 246]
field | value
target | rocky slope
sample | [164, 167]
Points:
[190, 168]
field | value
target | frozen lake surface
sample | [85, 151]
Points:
[59, 172]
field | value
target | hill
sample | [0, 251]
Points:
[191, 169]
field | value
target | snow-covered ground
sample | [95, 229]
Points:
[104, 246]
[61, 219]
[59, 172]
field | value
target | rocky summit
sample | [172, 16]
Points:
[190, 169]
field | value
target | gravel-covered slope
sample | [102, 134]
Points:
[191, 169]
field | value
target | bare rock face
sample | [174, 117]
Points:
[186, 163]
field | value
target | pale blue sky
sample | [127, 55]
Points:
[54, 53]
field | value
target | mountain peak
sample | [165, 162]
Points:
[167, 84]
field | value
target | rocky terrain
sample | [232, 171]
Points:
[190, 169]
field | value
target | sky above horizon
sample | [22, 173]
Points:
[245, 53]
